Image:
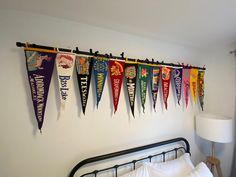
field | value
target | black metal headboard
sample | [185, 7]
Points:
[185, 147]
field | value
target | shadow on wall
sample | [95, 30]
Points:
[233, 171]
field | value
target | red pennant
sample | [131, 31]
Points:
[165, 78]
[116, 75]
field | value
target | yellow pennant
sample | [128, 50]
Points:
[193, 83]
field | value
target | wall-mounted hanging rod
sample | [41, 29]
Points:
[91, 53]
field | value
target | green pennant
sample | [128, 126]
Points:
[143, 74]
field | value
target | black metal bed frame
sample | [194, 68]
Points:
[185, 147]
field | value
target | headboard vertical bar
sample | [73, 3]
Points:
[164, 156]
[176, 151]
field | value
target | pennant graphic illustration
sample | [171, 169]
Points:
[40, 66]
[155, 77]
[100, 68]
[116, 75]
[177, 80]
[201, 87]
[131, 75]
[186, 84]
[165, 78]
[65, 64]
[193, 83]
[143, 74]
[84, 71]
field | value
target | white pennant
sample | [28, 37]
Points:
[65, 64]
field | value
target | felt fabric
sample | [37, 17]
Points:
[39, 68]
[84, 66]
[116, 68]
[177, 80]
[143, 74]
[201, 87]
[100, 68]
[131, 75]
[193, 83]
[186, 84]
[65, 62]
[165, 78]
[154, 78]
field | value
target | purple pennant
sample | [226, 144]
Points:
[177, 78]
[155, 78]
[40, 67]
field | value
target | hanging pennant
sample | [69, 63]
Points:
[186, 84]
[155, 77]
[177, 80]
[100, 67]
[143, 73]
[40, 66]
[201, 87]
[131, 75]
[84, 71]
[116, 75]
[65, 64]
[165, 78]
[193, 83]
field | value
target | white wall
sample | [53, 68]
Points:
[220, 97]
[65, 141]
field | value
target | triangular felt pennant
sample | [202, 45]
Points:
[100, 67]
[165, 79]
[116, 68]
[155, 78]
[193, 83]
[186, 84]
[201, 87]
[131, 75]
[65, 64]
[40, 67]
[84, 71]
[143, 74]
[177, 80]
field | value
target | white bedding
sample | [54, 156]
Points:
[180, 167]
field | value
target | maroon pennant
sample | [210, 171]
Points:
[116, 75]
[165, 76]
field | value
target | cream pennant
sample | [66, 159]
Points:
[65, 64]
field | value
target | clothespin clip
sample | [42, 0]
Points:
[111, 55]
[152, 61]
[77, 50]
[122, 55]
[91, 51]
[96, 53]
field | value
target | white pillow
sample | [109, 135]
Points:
[201, 170]
[174, 168]
[139, 172]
